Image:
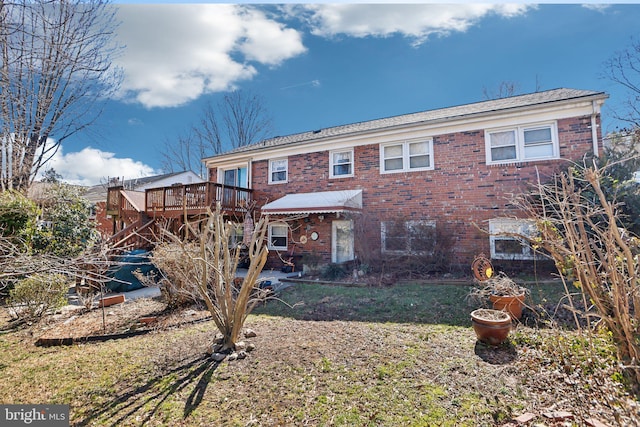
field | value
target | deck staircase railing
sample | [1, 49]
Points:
[138, 234]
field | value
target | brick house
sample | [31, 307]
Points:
[336, 193]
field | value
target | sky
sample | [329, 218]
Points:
[321, 65]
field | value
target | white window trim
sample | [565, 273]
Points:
[331, 164]
[406, 157]
[286, 171]
[236, 238]
[222, 169]
[278, 248]
[498, 227]
[407, 251]
[519, 131]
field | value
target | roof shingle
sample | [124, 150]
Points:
[513, 102]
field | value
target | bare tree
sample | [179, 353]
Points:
[183, 154]
[239, 119]
[504, 90]
[55, 68]
[623, 68]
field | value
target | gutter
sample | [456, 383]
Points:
[594, 130]
[260, 146]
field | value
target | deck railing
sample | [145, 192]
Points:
[174, 200]
[195, 198]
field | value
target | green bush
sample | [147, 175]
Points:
[70, 229]
[32, 297]
[18, 216]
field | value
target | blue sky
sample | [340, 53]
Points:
[324, 65]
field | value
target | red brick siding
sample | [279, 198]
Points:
[462, 191]
[104, 225]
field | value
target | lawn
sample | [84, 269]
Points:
[330, 356]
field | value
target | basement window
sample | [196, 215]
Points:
[504, 240]
[408, 237]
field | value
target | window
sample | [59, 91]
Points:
[278, 237]
[504, 245]
[341, 163]
[237, 235]
[406, 156]
[235, 177]
[522, 144]
[278, 170]
[408, 237]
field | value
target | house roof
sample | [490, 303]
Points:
[98, 192]
[318, 202]
[442, 114]
[136, 198]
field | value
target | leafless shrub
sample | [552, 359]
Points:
[411, 249]
[206, 270]
[499, 285]
[580, 230]
[177, 263]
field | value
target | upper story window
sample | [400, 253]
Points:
[341, 164]
[236, 237]
[278, 236]
[278, 170]
[406, 156]
[522, 143]
[235, 176]
[504, 240]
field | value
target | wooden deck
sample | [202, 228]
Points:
[174, 201]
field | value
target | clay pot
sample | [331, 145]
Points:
[511, 304]
[491, 326]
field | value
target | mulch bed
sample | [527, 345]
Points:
[134, 317]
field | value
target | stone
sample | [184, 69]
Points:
[232, 356]
[218, 357]
[242, 354]
[593, 422]
[250, 333]
[250, 347]
[241, 345]
[558, 415]
[524, 418]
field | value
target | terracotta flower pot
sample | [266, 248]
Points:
[511, 304]
[491, 326]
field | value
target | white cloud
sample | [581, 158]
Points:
[92, 166]
[598, 7]
[416, 21]
[177, 52]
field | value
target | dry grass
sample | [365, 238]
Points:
[311, 372]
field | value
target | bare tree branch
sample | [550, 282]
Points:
[239, 119]
[55, 69]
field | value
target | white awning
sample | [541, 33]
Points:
[319, 202]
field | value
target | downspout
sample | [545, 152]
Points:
[594, 129]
